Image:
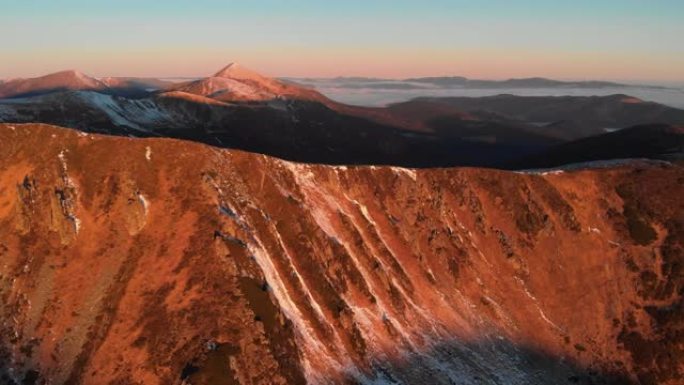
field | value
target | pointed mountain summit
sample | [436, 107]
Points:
[235, 83]
[237, 72]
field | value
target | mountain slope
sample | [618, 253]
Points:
[200, 265]
[59, 81]
[567, 117]
[648, 141]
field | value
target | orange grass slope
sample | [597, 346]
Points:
[158, 261]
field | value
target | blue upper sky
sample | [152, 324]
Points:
[607, 39]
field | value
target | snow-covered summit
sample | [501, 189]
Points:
[237, 83]
[238, 72]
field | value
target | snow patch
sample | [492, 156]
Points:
[541, 172]
[77, 223]
[321, 204]
[406, 171]
[143, 201]
[62, 160]
[136, 114]
[108, 105]
[536, 303]
[312, 347]
[68, 182]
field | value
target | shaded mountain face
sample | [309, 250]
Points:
[650, 141]
[566, 117]
[239, 108]
[160, 261]
[133, 87]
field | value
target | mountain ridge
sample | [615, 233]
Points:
[63, 80]
[242, 109]
[198, 264]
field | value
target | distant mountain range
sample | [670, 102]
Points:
[129, 254]
[239, 108]
[71, 77]
[567, 117]
[463, 82]
[535, 82]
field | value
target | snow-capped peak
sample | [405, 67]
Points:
[237, 83]
[238, 72]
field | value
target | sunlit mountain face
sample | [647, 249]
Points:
[380, 193]
[198, 264]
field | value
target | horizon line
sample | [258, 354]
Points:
[625, 81]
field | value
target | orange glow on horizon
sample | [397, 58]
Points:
[353, 61]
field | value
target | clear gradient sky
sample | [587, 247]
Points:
[581, 39]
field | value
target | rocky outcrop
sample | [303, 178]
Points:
[194, 265]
